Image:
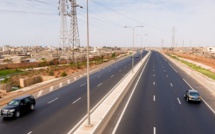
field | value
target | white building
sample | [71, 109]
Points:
[211, 49]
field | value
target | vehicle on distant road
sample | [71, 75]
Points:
[192, 95]
[18, 106]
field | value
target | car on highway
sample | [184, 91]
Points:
[18, 106]
[192, 95]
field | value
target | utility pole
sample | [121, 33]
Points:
[74, 41]
[63, 23]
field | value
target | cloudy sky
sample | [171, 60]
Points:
[36, 22]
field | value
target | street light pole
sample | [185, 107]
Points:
[88, 75]
[133, 28]
[142, 44]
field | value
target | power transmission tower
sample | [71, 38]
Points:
[173, 37]
[63, 23]
[74, 41]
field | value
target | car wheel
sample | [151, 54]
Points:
[188, 99]
[32, 107]
[17, 114]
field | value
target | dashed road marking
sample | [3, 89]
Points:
[171, 85]
[153, 75]
[29, 132]
[52, 100]
[154, 130]
[109, 70]
[167, 76]
[99, 76]
[154, 97]
[82, 84]
[179, 101]
[99, 84]
[112, 75]
[76, 100]
[154, 83]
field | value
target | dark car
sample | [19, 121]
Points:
[18, 106]
[192, 95]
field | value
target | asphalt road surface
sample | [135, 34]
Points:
[59, 111]
[155, 104]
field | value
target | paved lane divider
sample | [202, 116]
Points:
[103, 113]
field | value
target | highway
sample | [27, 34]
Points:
[155, 104]
[59, 111]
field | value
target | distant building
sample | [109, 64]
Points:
[211, 49]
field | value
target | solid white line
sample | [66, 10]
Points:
[82, 85]
[40, 93]
[154, 97]
[52, 100]
[51, 88]
[99, 76]
[154, 130]
[76, 100]
[188, 84]
[173, 68]
[179, 101]
[120, 118]
[112, 75]
[202, 98]
[99, 84]
[171, 85]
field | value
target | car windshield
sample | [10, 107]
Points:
[14, 103]
[194, 93]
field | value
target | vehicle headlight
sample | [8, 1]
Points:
[11, 110]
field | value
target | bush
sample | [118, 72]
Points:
[63, 74]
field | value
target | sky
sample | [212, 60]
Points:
[37, 23]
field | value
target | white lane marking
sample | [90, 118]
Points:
[153, 75]
[99, 76]
[120, 70]
[179, 101]
[166, 75]
[154, 83]
[99, 84]
[51, 88]
[76, 100]
[164, 70]
[60, 84]
[122, 113]
[75, 78]
[202, 98]
[109, 70]
[154, 130]
[173, 68]
[188, 84]
[112, 75]
[154, 97]
[82, 84]
[40, 93]
[52, 100]
[171, 85]
[153, 69]
[29, 132]
[68, 81]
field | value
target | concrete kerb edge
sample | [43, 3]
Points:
[34, 89]
[200, 75]
[111, 111]
[108, 114]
